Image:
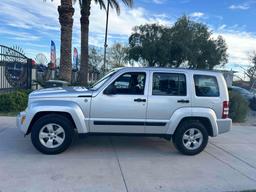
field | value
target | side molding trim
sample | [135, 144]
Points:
[129, 123]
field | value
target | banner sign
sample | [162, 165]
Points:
[53, 55]
[75, 59]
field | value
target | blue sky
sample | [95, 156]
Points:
[32, 24]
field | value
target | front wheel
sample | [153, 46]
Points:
[52, 134]
[191, 138]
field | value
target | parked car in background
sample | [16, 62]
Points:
[249, 96]
[185, 106]
[253, 90]
[243, 92]
[55, 83]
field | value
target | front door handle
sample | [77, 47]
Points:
[183, 101]
[140, 100]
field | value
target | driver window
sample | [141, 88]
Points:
[129, 84]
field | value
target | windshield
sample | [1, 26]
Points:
[243, 91]
[99, 83]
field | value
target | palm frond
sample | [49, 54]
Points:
[80, 3]
[128, 3]
[114, 5]
[101, 3]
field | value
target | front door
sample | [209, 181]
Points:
[121, 107]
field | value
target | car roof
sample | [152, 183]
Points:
[212, 72]
[238, 88]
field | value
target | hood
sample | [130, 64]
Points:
[60, 92]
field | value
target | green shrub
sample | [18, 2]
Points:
[14, 101]
[238, 108]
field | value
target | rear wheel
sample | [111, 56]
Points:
[52, 134]
[191, 138]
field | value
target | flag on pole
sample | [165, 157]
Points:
[75, 59]
[53, 55]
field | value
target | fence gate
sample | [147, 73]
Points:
[15, 70]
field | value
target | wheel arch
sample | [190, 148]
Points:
[204, 115]
[204, 120]
[44, 113]
[70, 110]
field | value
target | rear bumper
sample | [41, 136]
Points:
[224, 125]
[21, 122]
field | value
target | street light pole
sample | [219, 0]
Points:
[106, 40]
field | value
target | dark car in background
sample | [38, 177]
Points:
[250, 97]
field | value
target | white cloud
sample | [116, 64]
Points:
[241, 7]
[197, 14]
[119, 26]
[159, 1]
[222, 27]
[44, 16]
[123, 24]
[38, 15]
[240, 46]
[10, 34]
[39, 20]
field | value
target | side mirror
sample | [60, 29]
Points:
[110, 90]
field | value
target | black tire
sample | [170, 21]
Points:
[182, 129]
[60, 120]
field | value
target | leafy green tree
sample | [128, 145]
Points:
[85, 10]
[193, 43]
[186, 43]
[147, 43]
[95, 59]
[118, 56]
[251, 71]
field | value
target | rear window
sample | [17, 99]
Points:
[169, 84]
[206, 86]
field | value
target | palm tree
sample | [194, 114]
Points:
[85, 7]
[66, 12]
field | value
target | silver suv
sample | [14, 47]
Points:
[185, 106]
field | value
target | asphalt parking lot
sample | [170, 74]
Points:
[121, 164]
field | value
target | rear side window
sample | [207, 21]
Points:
[206, 86]
[169, 84]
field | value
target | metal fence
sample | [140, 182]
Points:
[15, 70]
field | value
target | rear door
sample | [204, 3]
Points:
[167, 92]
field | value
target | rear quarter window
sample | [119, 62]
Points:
[206, 86]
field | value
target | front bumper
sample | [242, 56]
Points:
[21, 122]
[224, 125]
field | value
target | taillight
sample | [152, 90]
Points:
[225, 110]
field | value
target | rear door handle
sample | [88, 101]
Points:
[183, 101]
[140, 100]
